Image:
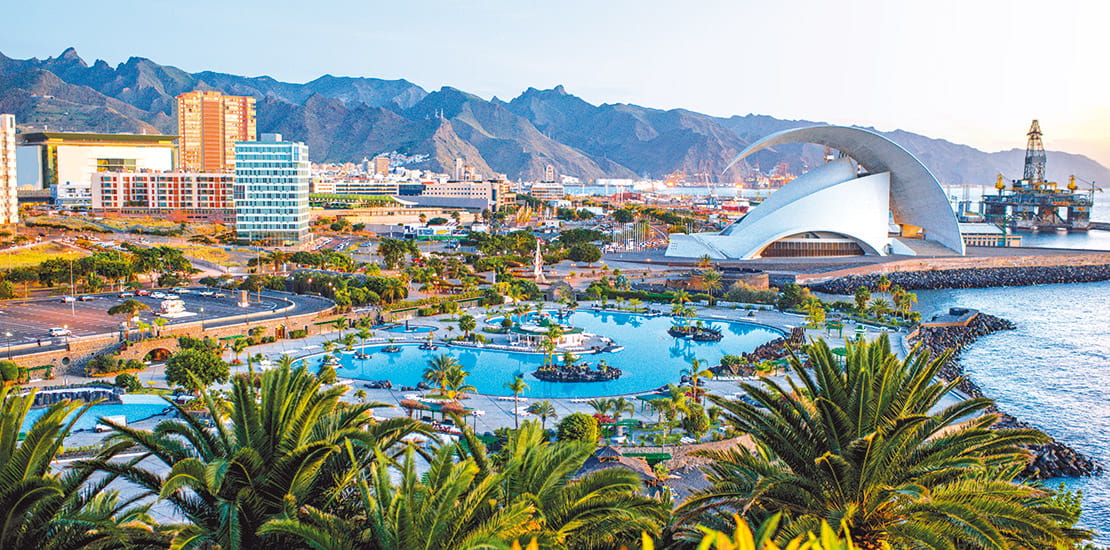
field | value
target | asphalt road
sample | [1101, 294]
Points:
[30, 322]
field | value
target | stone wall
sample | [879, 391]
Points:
[961, 262]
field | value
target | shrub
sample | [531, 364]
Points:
[128, 382]
[9, 371]
[298, 333]
[578, 427]
[697, 422]
[745, 293]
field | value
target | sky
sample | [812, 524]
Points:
[969, 71]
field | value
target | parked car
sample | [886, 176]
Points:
[158, 295]
[182, 290]
[171, 297]
[87, 298]
[208, 293]
[142, 292]
[220, 295]
[126, 294]
[68, 299]
[59, 331]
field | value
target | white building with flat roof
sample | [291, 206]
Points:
[52, 158]
[9, 179]
[271, 190]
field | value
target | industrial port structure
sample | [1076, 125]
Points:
[1033, 204]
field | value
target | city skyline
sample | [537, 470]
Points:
[973, 74]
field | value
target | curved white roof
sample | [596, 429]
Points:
[916, 197]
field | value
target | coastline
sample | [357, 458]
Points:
[1052, 459]
[975, 277]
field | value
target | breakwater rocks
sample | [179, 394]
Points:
[1052, 459]
[986, 277]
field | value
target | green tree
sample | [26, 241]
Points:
[578, 427]
[866, 440]
[435, 373]
[195, 369]
[239, 345]
[50, 511]
[517, 386]
[467, 323]
[862, 296]
[543, 409]
[584, 252]
[262, 455]
[695, 372]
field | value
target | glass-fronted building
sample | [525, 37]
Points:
[271, 191]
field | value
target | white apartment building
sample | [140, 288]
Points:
[271, 190]
[201, 196]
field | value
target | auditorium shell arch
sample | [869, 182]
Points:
[843, 207]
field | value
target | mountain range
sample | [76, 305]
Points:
[346, 119]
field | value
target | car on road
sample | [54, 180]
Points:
[87, 298]
[171, 297]
[208, 293]
[182, 290]
[68, 299]
[59, 331]
[126, 294]
[142, 292]
[219, 295]
[158, 295]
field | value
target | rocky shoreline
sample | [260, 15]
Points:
[986, 277]
[1053, 459]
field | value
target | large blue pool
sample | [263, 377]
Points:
[134, 407]
[651, 358]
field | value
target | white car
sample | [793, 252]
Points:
[171, 297]
[68, 299]
[181, 290]
[58, 331]
[208, 293]
[158, 295]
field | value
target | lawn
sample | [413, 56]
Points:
[36, 254]
[67, 222]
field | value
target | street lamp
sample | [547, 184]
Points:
[202, 319]
[66, 329]
[8, 337]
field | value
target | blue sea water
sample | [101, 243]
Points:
[1053, 371]
[651, 358]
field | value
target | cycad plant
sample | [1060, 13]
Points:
[872, 444]
[46, 509]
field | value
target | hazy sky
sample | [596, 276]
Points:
[971, 71]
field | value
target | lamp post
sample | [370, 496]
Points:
[8, 337]
[66, 329]
[202, 319]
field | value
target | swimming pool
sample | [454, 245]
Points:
[134, 408]
[651, 358]
[411, 329]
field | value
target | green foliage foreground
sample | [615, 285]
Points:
[863, 445]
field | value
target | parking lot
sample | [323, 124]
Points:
[30, 322]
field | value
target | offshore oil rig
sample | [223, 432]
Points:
[1033, 204]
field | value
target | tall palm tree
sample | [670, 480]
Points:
[261, 456]
[696, 371]
[710, 280]
[621, 405]
[543, 409]
[239, 345]
[467, 323]
[47, 510]
[869, 444]
[436, 371]
[517, 386]
[454, 384]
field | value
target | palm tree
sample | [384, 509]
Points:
[710, 280]
[454, 384]
[600, 405]
[695, 371]
[879, 307]
[868, 442]
[543, 409]
[680, 297]
[339, 324]
[467, 323]
[47, 510]
[884, 283]
[265, 453]
[621, 405]
[239, 345]
[452, 506]
[436, 371]
[517, 386]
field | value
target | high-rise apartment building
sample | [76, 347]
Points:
[9, 201]
[197, 196]
[381, 165]
[271, 190]
[209, 124]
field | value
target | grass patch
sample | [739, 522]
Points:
[64, 222]
[37, 254]
[216, 254]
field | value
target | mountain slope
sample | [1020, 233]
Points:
[344, 118]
